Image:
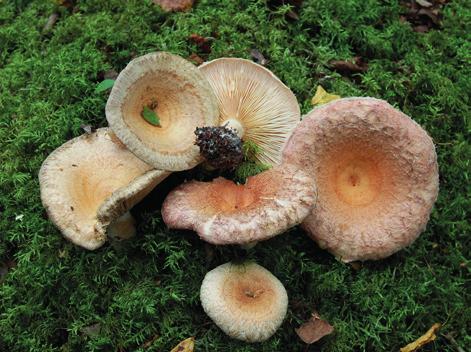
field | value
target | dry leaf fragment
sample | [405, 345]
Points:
[424, 3]
[357, 65]
[185, 346]
[322, 97]
[203, 43]
[258, 57]
[196, 59]
[426, 338]
[314, 329]
[174, 5]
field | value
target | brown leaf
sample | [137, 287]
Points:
[174, 5]
[203, 43]
[357, 65]
[187, 345]
[314, 329]
[196, 59]
[258, 57]
[426, 338]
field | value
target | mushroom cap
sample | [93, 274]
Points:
[183, 98]
[222, 212]
[245, 301]
[89, 182]
[255, 103]
[377, 177]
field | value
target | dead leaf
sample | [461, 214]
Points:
[88, 129]
[149, 342]
[196, 59]
[322, 97]
[426, 338]
[174, 5]
[258, 57]
[357, 65]
[203, 43]
[187, 345]
[424, 3]
[314, 329]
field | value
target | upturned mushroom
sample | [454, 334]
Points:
[176, 95]
[222, 212]
[245, 301]
[88, 185]
[376, 172]
[254, 102]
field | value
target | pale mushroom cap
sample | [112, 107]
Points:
[255, 103]
[222, 212]
[89, 182]
[245, 301]
[377, 177]
[183, 98]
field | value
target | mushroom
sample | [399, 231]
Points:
[245, 301]
[180, 97]
[254, 102]
[222, 212]
[89, 183]
[376, 172]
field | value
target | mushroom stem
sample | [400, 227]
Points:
[123, 228]
[235, 125]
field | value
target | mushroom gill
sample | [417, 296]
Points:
[255, 103]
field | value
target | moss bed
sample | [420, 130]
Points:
[142, 295]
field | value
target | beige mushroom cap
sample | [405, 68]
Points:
[222, 212]
[245, 301]
[253, 101]
[376, 172]
[91, 181]
[182, 98]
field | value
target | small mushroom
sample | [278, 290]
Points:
[245, 301]
[180, 98]
[254, 102]
[222, 212]
[376, 172]
[89, 183]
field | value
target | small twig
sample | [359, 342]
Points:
[51, 21]
[453, 342]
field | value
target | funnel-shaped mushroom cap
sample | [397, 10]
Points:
[376, 172]
[222, 212]
[253, 101]
[246, 301]
[89, 182]
[181, 98]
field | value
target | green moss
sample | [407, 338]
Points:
[147, 288]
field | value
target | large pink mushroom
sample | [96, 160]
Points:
[222, 212]
[376, 172]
